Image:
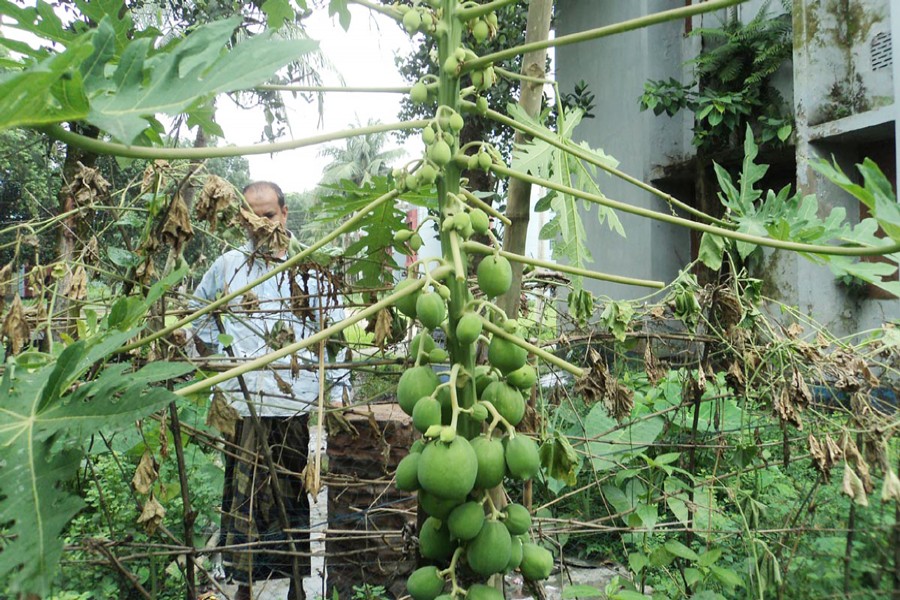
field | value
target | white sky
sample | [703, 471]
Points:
[364, 56]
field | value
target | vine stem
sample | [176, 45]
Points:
[599, 32]
[712, 229]
[588, 157]
[479, 248]
[323, 334]
[150, 152]
[296, 259]
[540, 352]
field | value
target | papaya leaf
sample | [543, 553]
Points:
[559, 459]
[541, 159]
[339, 8]
[42, 424]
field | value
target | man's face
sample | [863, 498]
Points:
[264, 203]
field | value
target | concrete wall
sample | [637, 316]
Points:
[616, 69]
[832, 59]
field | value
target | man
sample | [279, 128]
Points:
[255, 324]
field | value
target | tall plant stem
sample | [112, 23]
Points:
[448, 188]
[150, 152]
[190, 515]
[599, 32]
[726, 233]
[589, 158]
[294, 260]
[518, 205]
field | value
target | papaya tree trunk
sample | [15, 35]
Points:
[518, 204]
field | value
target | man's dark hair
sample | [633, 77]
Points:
[258, 186]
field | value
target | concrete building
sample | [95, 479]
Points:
[841, 85]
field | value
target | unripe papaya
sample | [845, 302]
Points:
[489, 552]
[466, 520]
[425, 340]
[418, 93]
[414, 384]
[515, 555]
[484, 376]
[480, 221]
[434, 540]
[479, 591]
[424, 583]
[407, 304]
[426, 412]
[480, 31]
[431, 310]
[440, 153]
[468, 328]
[491, 460]
[411, 21]
[537, 562]
[406, 476]
[516, 518]
[494, 275]
[522, 378]
[522, 458]
[505, 355]
[448, 470]
[507, 400]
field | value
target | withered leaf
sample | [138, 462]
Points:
[15, 326]
[283, 386]
[794, 331]
[216, 200]
[145, 474]
[250, 302]
[154, 176]
[785, 408]
[383, 323]
[312, 479]
[891, 488]
[222, 415]
[6, 281]
[77, 284]
[336, 423]
[852, 486]
[90, 254]
[651, 365]
[267, 236]
[87, 187]
[177, 229]
[152, 515]
[599, 385]
[819, 457]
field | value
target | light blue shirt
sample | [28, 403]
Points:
[267, 323]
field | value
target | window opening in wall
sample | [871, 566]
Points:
[882, 51]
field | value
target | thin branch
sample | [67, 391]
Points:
[149, 152]
[726, 233]
[479, 10]
[479, 248]
[605, 31]
[589, 158]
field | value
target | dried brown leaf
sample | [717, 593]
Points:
[87, 187]
[891, 488]
[598, 385]
[15, 326]
[735, 377]
[154, 176]
[152, 515]
[145, 474]
[216, 200]
[383, 326]
[819, 457]
[785, 409]
[853, 487]
[283, 386]
[266, 235]
[222, 415]
[651, 366]
[90, 254]
[250, 302]
[794, 331]
[177, 229]
[77, 284]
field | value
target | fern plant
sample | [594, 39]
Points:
[732, 82]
